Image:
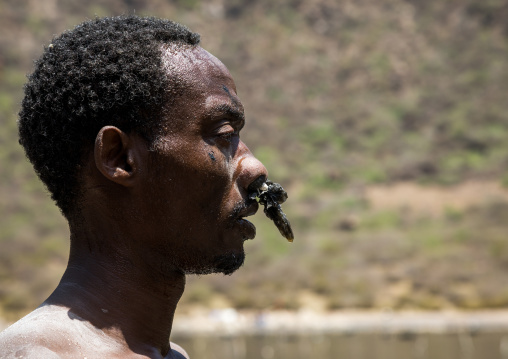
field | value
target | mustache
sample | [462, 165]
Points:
[240, 207]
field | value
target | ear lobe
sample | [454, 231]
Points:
[114, 155]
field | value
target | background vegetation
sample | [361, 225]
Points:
[364, 110]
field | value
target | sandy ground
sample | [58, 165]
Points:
[434, 200]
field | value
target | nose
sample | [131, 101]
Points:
[249, 168]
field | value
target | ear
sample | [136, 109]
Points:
[115, 155]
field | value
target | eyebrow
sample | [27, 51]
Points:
[225, 110]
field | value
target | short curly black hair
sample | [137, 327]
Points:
[106, 71]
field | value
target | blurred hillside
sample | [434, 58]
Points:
[362, 109]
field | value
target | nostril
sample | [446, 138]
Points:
[257, 183]
[250, 173]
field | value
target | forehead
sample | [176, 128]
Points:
[197, 71]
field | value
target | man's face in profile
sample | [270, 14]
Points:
[196, 183]
[141, 151]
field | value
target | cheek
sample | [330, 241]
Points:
[216, 192]
[199, 181]
[192, 183]
[216, 185]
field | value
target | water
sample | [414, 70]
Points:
[405, 345]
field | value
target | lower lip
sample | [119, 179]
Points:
[248, 229]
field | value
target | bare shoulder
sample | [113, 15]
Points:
[179, 352]
[19, 344]
[35, 335]
[26, 351]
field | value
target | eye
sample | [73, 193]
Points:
[226, 134]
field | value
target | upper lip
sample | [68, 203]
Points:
[249, 210]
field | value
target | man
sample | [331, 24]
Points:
[134, 129]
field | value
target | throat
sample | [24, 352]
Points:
[123, 303]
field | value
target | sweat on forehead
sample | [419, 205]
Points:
[194, 65]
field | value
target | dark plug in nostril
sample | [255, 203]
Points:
[257, 183]
[271, 195]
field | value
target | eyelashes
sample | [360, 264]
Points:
[227, 133]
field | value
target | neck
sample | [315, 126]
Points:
[127, 301]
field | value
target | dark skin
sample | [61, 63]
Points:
[149, 216]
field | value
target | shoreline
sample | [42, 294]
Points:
[229, 322]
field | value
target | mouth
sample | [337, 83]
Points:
[248, 229]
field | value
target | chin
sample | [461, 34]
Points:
[226, 264]
[229, 263]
